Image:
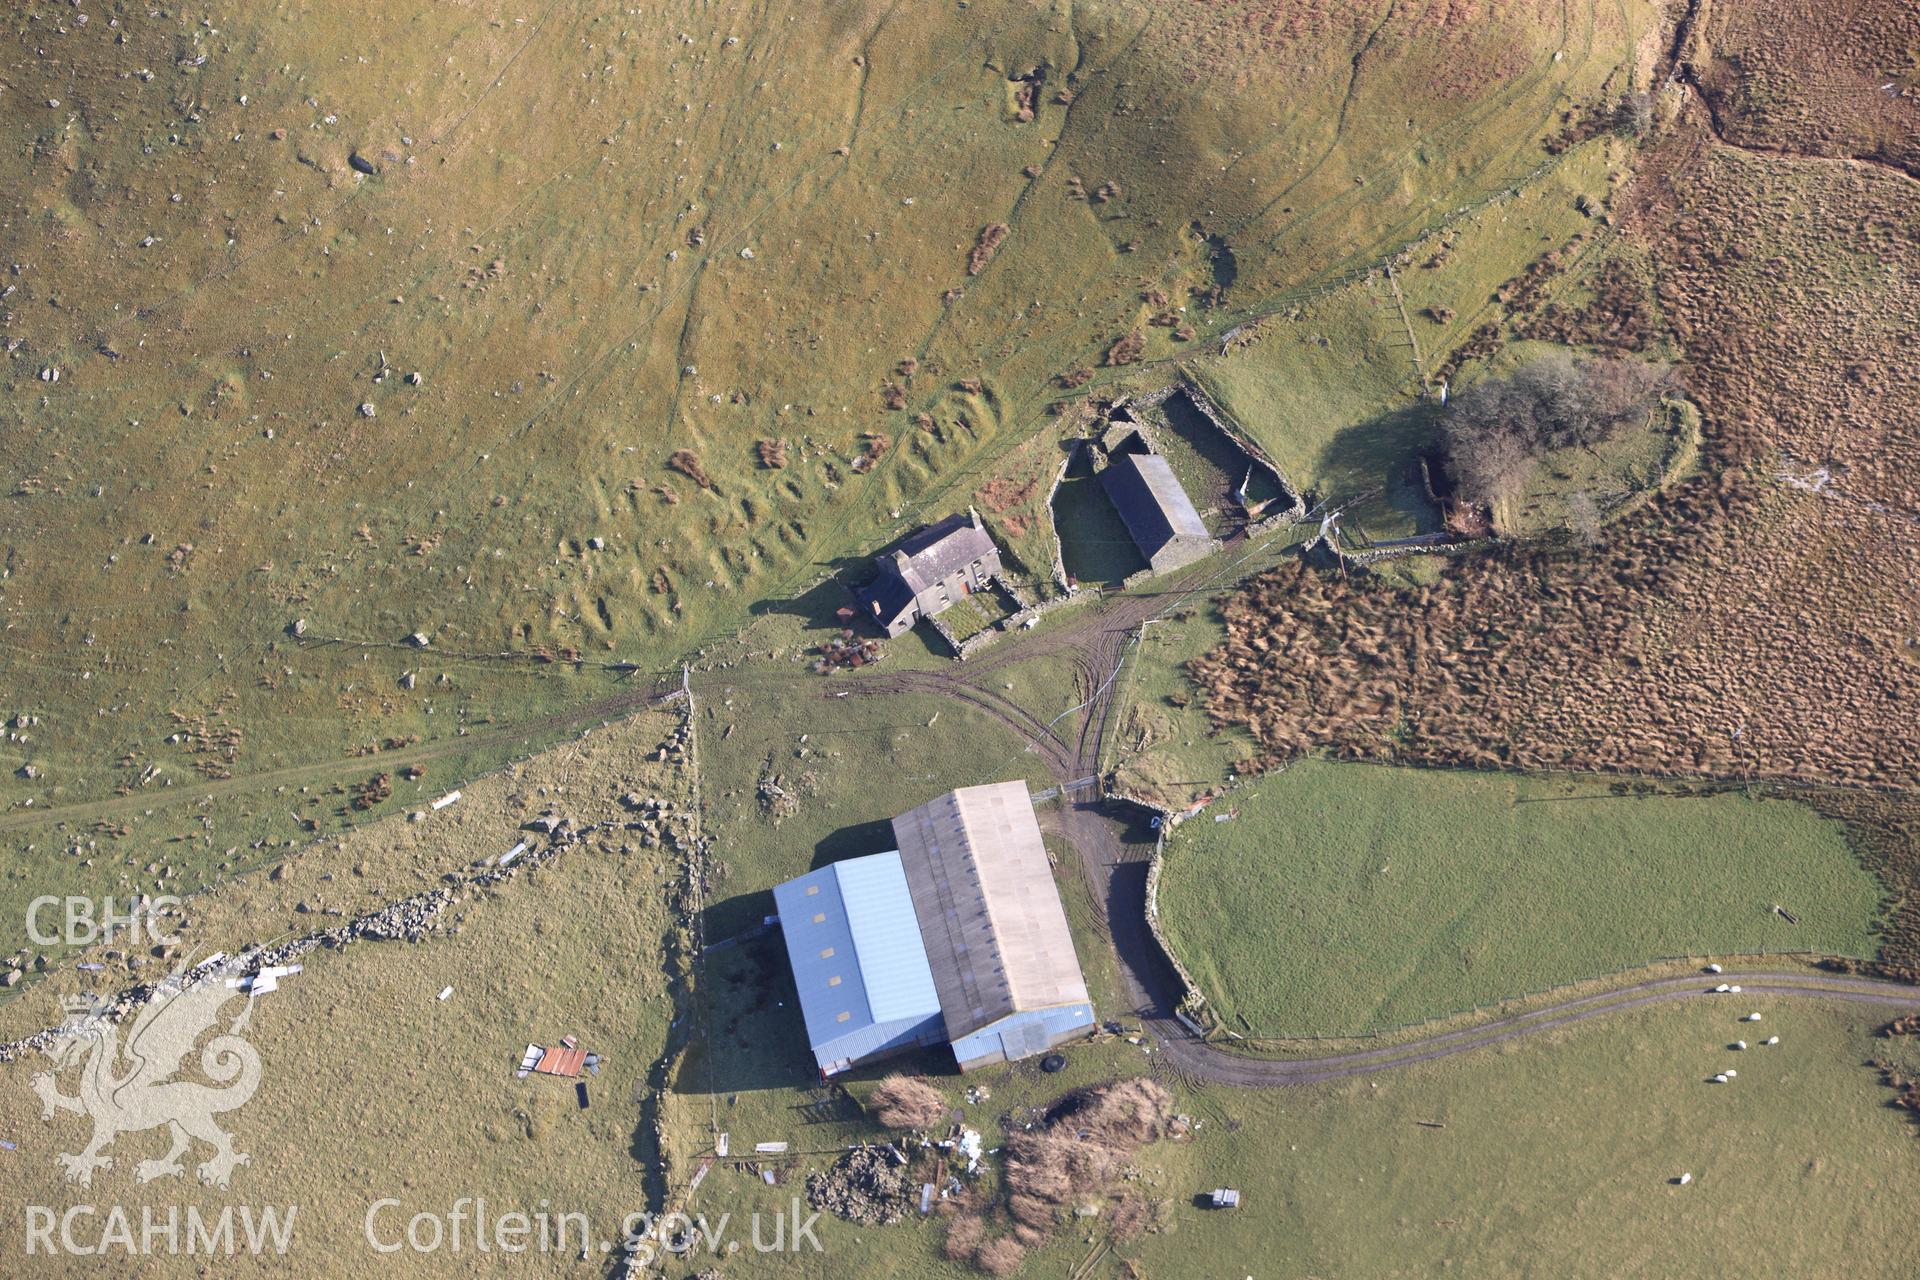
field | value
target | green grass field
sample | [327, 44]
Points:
[370, 1086]
[1349, 898]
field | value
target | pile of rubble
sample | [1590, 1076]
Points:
[847, 650]
[867, 1185]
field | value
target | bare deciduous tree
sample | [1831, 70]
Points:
[1498, 428]
[1633, 114]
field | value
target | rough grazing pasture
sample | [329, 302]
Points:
[1350, 898]
[1554, 1155]
[370, 1086]
[1863, 100]
[1758, 621]
[472, 322]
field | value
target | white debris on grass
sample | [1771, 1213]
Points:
[970, 1148]
[444, 993]
[268, 979]
[444, 800]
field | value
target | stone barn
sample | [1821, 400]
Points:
[1156, 510]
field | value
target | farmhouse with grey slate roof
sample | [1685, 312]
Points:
[930, 570]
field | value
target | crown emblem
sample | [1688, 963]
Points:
[81, 1005]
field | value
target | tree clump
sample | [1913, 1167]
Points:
[1497, 430]
[1633, 114]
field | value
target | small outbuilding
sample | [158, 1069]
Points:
[934, 567]
[1156, 510]
[1225, 1198]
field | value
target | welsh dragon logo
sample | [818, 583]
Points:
[131, 1088]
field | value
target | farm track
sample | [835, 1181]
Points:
[1114, 854]
[1217, 1065]
[1114, 858]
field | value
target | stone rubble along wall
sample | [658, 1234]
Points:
[1396, 549]
[1192, 1000]
[410, 919]
[945, 632]
[1053, 490]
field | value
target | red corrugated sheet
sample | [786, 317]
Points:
[561, 1061]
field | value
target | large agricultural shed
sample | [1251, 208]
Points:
[956, 936]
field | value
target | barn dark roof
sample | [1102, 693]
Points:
[1154, 507]
[887, 595]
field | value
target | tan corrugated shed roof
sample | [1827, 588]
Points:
[995, 932]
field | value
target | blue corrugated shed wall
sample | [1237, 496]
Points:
[1022, 1035]
[853, 922]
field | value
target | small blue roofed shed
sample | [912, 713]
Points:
[865, 986]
